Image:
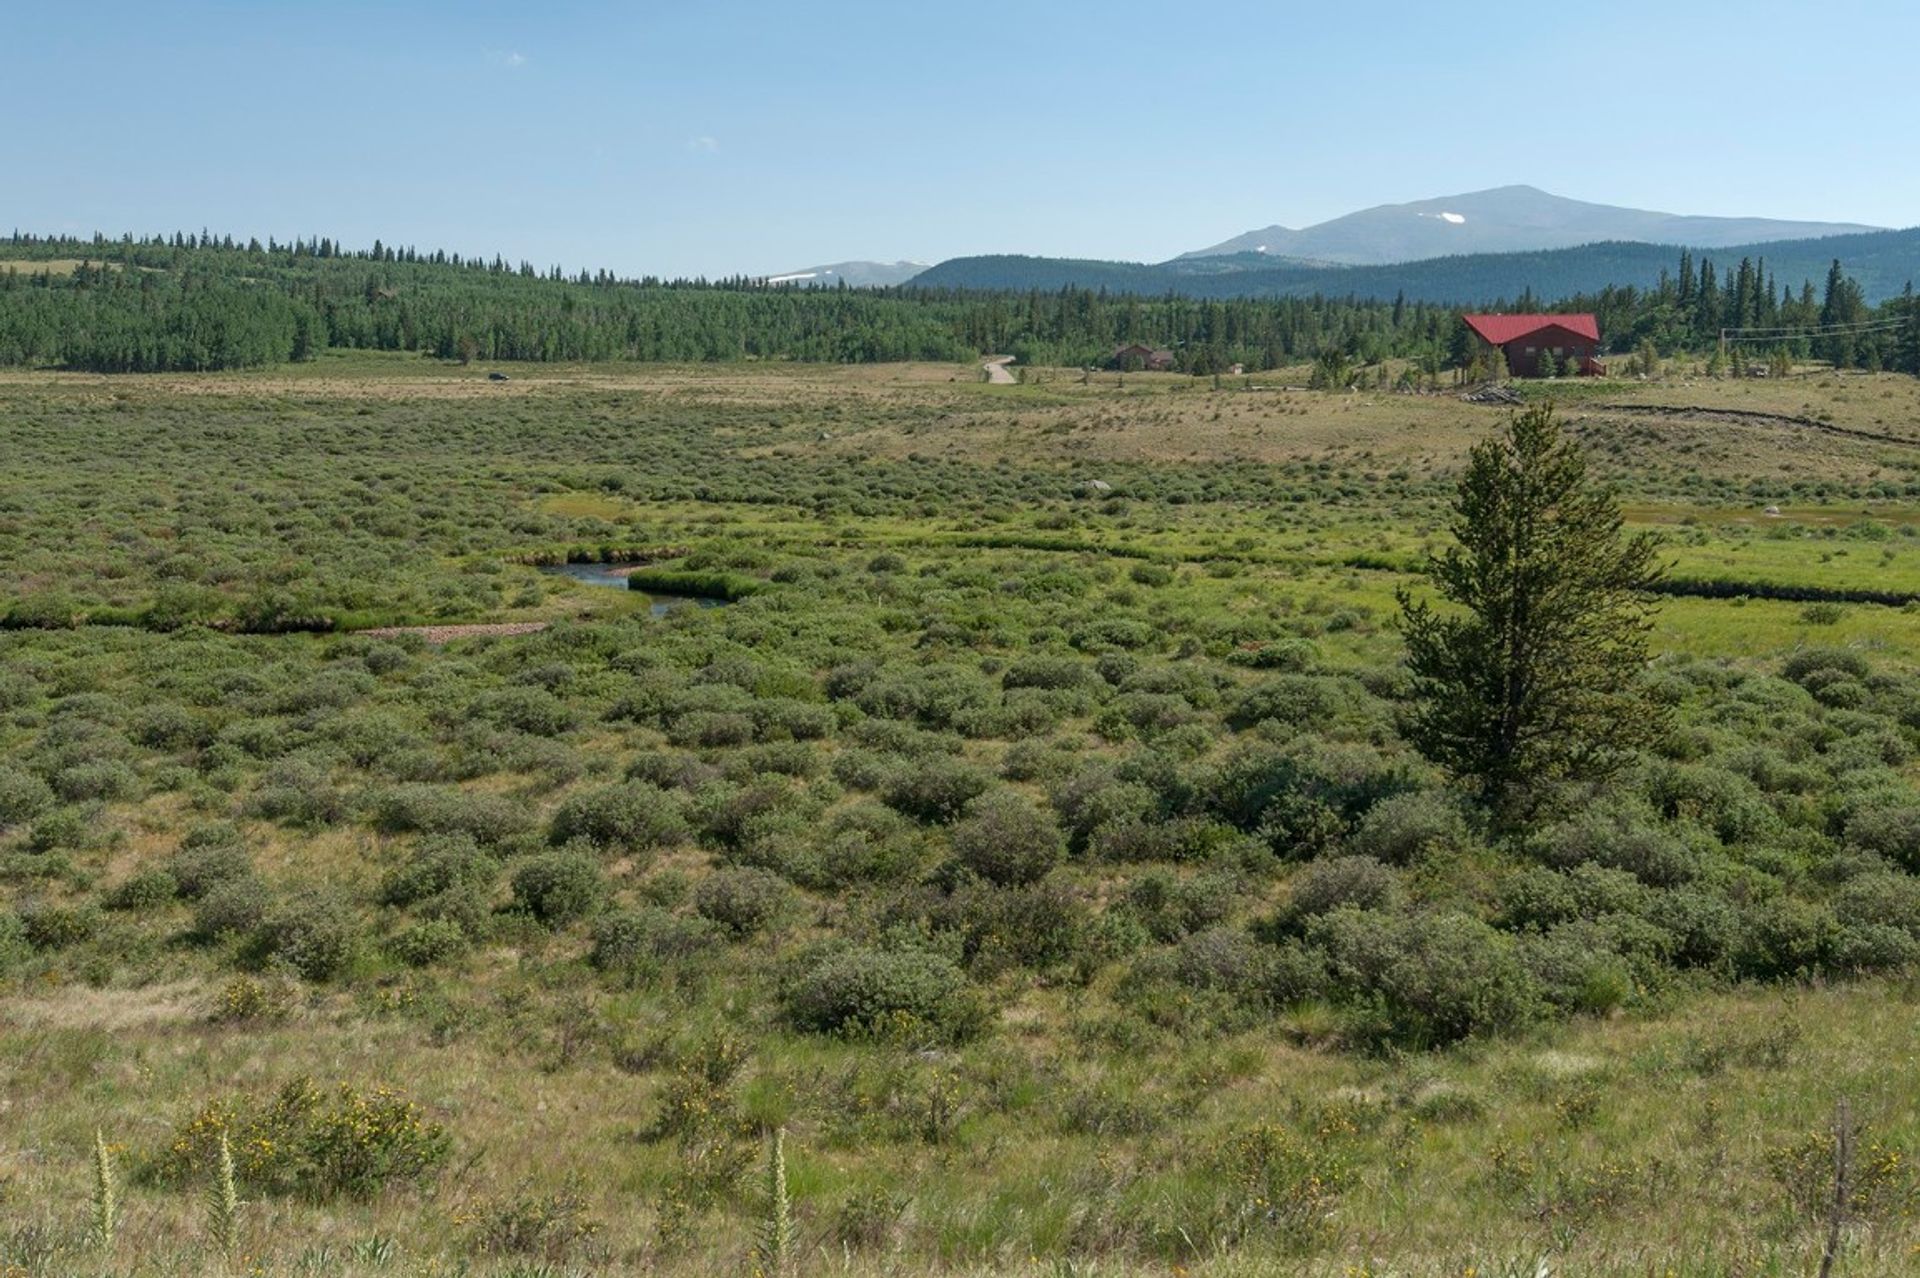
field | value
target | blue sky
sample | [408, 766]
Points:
[718, 137]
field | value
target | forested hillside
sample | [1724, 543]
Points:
[196, 303]
[1882, 263]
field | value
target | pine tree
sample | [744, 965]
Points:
[1707, 304]
[1537, 678]
[1842, 306]
[1907, 345]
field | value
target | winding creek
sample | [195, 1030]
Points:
[615, 577]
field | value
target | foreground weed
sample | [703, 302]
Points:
[223, 1200]
[106, 1195]
[777, 1234]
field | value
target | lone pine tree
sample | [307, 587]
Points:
[1535, 675]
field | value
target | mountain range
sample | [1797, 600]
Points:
[1506, 219]
[1479, 247]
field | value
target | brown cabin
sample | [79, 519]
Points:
[1525, 339]
[1133, 356]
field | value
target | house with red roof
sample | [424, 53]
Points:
[1526, 341]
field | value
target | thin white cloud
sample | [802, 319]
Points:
[704, 144]
[511, 59]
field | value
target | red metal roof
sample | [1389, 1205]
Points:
[1501, 329]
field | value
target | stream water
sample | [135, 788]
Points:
[615, 577]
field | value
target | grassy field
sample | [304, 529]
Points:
[1031, 839]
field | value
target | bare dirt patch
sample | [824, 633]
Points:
[447, 634]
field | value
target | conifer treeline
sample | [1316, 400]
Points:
[196, 303]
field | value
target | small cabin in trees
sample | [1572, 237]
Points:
[1527, 341]
[1133, 357]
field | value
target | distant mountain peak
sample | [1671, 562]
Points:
[852, 274]
[1505, 219]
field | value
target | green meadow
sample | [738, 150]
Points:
[1009, 805]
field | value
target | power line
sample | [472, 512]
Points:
[1803, 328]
[1786, 334]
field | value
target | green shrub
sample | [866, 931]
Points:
[209, 856]
[786, 718]
[1359, 882]
[1704, 927]
[1620, 838]
[431, 809]
[744, 901]
[1535, 899]
[860, 988]
[299, 791]
[1179, 839]
[868, 843]
[309, 1142]
[1599, 890]
[1292, 656]
[232, 906]
[1039, 925]
[1005, 839]
[630, 817]
[1294, 700]
[1873, 947]
[1094, 799]
[623, 940]
[59, 828]
[559, 887]
[1785, 938]
[1148, 715]
[1402, 827]
[937, 789]
[314, 933]
[1728, 804]
[1298, 974]
[712, 729]
[103, 781]
[429, 942]
[1577, 970]
[23, 796]
[1892, 831]
[1880, 899]
[466, 905]
[780, 758]
[1048, 672]
[144, 890]
[437, 864]
[48, 926]
[1170, 908]
[1431, 979]
[534, 711]
[1810, 663]
[1228, 960]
